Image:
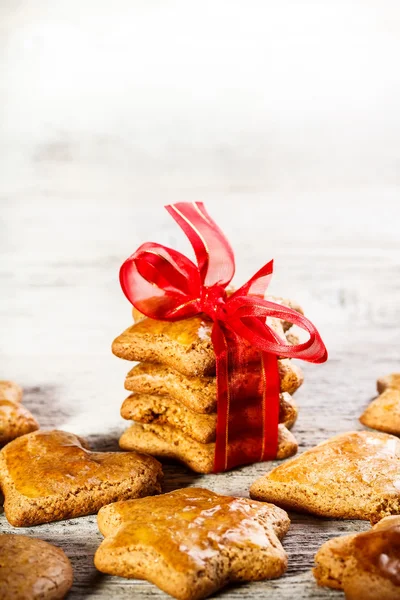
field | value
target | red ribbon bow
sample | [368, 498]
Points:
[166, 285]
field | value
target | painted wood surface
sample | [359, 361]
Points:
[61, 306]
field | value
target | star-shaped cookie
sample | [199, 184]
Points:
[384, 412]
[15, 419]
[163, 410]
[365, 565]
[192, 542]
[51, 475]
[354, 475]
[31, 569]
[184, 345]
[200, 393]
[165, 441]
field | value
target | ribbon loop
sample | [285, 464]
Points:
[212, 302]
[213, 251]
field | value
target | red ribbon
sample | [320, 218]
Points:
[164, 284]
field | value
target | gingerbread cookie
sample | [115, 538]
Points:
[195, 543]
[31, 569]
[285, 302]
[51, 475]
[351, 476]
[181, 345]
[163, 410]
[384, 412]
[365, 565]
[170, 442]
[200, 393]
[9, 390]
[15, 420]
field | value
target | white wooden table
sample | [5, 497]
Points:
[61, 306]
[293, 142]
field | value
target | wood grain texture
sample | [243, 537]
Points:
[293, 142]
[61, 306]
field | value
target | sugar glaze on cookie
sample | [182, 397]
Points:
[195, 542]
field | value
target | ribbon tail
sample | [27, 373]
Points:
[270, 408]
[223, 400]
[247, 402]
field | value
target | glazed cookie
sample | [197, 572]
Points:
[31, 569]
[170, 442]
[195, 543]
[163, 410]
[15, 420]
[183, 345]
[200, 393]
[351, 476]
[51, 475]
[364, 565]
[384, 412]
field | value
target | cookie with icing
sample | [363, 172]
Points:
[353, 475]
[363, 565]
[195, 543]
[51, 475]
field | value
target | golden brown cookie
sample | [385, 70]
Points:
[163, 410]
[170, 442]
[31, 569]
[9, 390]
[197, 393]
[351, 476]
[181, 345]
[286, 302]
[195, 543]
[384, 412]
[51, 475]
[15, 420]
[365, 565]
[200, 393]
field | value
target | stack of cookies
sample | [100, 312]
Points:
[173, 403]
